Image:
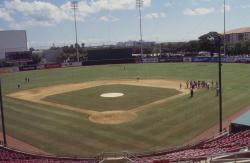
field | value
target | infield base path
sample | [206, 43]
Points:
[109, 117]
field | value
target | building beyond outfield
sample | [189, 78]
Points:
[238, 35]
[12, 41]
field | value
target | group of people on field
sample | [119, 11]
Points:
[201, 84]
[27, 80]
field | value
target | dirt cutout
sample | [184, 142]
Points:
[37, 95]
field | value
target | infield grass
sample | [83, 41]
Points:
[134, 96]
[172, 123]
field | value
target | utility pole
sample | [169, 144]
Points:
[74, 5]
[139, 4]
[2, 116]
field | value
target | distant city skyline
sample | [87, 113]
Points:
[49, 22]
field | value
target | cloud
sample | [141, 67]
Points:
[201, 1]
[44, 13]
[168, 4]
[227, 7]
[245, 6]
[155, 15]
[5, 15]
[205, 11]
[116, 4]
[36, 13]
[109, 18]
[198, 11]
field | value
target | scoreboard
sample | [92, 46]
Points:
[18, 57]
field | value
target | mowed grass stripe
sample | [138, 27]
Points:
[118, 138]
[175, 121]
[45, 141]
[42, 108]
[51, 120]
[45, 130]
[152, 126]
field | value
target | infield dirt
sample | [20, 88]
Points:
[109, 117]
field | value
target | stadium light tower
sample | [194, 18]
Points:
[139, 4]
[74, 5]
[220, 66]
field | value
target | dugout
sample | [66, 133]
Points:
[241, 123]
[110, 55]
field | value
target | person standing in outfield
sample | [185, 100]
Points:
[217, 87]
[208, 86]
[216, 84]
[27, 79]
[191, 92]
[187, 83]
[180, 85]
[193, 86]
[217, 91]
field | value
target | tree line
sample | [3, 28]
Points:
[211, 42]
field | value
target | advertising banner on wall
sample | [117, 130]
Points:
[187, 59]
[150, 60]
[40, 67]
[55, 65]
[174, 59]
[72, 64]
[27, 68]
[14, 69]
[201, 59]
[171, 59]
[227, 59]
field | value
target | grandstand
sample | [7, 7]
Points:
[226, 143]
[223, 146]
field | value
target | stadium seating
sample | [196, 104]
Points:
[12, 156]
[222, 145]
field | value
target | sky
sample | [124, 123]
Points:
[50, 22]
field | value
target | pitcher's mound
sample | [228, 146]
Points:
[112, 117]
[112, 95]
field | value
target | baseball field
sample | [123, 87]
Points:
[136, 107]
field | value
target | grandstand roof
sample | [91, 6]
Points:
[243, 120]
[239, 30]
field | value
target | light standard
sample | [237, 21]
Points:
[139, 4]
[220, 74]
[74, 5]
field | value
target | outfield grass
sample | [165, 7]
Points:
[134, 96]
[173, 123]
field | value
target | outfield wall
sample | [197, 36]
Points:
[133, 60]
